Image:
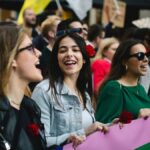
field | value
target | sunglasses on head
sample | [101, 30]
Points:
[69, 31]
[139, 55]
[30, 48]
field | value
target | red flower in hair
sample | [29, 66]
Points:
[33, 129]
[90, 50]
[125, 117]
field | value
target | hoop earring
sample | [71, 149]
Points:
[126, 67]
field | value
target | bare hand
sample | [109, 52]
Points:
[75, 139]
[97, 126]
[117, 121]
[144, 113]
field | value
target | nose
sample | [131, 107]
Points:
[37, 53]
[69, 52]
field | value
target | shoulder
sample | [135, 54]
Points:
[113, 84]
[111, 88]
[4, 104]
[100, 63]
[30, 106]
[43, 84]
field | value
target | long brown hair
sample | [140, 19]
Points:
[10, 39]
[84, 81]
[118, 68]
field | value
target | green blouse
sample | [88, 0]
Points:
[114, 98]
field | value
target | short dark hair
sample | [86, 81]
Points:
[64, 25]
[94, 31]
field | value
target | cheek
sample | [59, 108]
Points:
[60, 59]
[134, 65]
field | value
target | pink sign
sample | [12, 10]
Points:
[131, 136]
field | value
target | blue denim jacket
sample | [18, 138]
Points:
[63, 118]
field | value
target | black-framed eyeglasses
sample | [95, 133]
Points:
[139, 55]
[69, 31]
[30, 48]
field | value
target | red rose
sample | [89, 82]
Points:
[33, 129]
[90, 50]
[125, 117]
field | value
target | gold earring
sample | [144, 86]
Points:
[126, 67]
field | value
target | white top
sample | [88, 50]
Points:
[87, 119]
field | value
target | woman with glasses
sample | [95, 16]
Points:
[121, 90]
[65, 97]
[20, 125]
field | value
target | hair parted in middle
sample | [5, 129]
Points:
[84, 81]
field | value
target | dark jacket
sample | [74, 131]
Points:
[24, 124]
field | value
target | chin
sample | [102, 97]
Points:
[37, 78]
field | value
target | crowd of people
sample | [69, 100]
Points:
[52, 92]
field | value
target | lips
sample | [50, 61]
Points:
[70, 62]
[144, 67]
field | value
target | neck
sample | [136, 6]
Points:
[16, 89]
[50, 46]
[71, 82]
[129, 80]
[51, 42]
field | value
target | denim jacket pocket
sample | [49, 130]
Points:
[61, 119]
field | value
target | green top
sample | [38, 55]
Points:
[114, 98]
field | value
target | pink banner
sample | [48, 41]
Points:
[131, 136]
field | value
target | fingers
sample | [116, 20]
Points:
[76, 140]
[102, 127]
[116, 120]
[121, 125]
[144, 113]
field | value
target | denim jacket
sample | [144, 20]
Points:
[63, 118]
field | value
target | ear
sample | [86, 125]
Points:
[124, 62]
[50, 34]
[14, 63]
[84, 61]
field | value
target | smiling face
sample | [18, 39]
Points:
[135, 66]
[70, 58]
[26, 62]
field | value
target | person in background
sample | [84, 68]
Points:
[121, 90]
[101, 65]
[95, 35]
[65, 97]
[49, 27]
[20, 125]
[71, 25]
[29, 22]
[48, 32]
[44, 42]
[85, 31]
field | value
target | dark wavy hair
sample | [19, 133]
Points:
[118, 68]
[84, 81]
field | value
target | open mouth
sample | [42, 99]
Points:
[38, 66]
[144, 66]
[70, 62]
